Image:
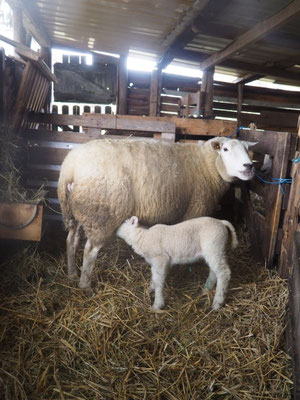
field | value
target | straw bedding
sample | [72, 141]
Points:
[58, 343]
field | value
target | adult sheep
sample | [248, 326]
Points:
[102, 183]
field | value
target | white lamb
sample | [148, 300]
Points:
[165, 245]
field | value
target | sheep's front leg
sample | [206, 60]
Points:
[89, 258]
[222, 271]
[72, 244]
[159, 271]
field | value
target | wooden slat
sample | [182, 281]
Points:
[290, 224]
[106, 121]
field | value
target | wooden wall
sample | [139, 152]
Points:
[269, 109]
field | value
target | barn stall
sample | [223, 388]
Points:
[56, 341]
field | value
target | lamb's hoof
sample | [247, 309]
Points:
[88, 292]
[216, 306]
[158, 307]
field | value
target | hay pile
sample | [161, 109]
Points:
[57, 343]
[12, 161]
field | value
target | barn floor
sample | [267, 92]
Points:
[58, 343]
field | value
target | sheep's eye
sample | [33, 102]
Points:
[225, 149]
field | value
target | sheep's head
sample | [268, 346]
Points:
[235, 157]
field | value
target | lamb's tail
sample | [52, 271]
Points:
[234, 240]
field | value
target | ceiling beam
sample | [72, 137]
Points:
[273, 72]
[254, 34]
[248, 78]
[189, 29]
[32, 20]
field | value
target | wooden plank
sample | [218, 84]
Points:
[267, 141]
[290, 224]
[240, 88]
[106, 121]
[293, 328]
[17, 215]
[254, 34]
[193, 126]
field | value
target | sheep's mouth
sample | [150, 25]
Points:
[247, 175]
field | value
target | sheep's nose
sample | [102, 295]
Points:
[248, 166]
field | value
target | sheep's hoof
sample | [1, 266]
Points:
[150, 290]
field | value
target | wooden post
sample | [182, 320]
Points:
[3, 109]
[122, 86]
[47, 57]
[19, 30]
[240, 103]
[207, 94]
[155, 91]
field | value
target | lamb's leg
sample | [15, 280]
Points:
[219, 266]
[211, 280]
[159, 272]
[89, 258]
[72, 244]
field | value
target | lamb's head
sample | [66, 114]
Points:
[235, 157]
[127, 228]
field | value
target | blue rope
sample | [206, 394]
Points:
[236, 131]
[296, 160]
[275, 181]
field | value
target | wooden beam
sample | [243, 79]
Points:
[178, 38]
[3, 109]
[254, 34]
[277, 72]
[247, 78]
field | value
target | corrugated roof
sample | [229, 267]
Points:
[150, 26]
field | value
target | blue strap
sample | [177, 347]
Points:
[275, 181]
[236, 131]
[296, 160]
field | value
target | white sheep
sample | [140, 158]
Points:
[165, 245]
[102, 183]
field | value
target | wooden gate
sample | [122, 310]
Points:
[265, 203]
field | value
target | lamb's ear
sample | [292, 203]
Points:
[134, 221]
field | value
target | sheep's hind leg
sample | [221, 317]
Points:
[89, 258]
[72, 244]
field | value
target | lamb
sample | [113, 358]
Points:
[102, 183]
[163, 246]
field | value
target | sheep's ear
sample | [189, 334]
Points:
[249, 144]
[216, 145]
[134, 221]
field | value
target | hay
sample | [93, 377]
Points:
[12, 157]
[57, 343]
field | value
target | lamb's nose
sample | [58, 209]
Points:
[249, 166]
